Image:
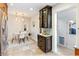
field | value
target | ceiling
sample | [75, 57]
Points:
[25, 7]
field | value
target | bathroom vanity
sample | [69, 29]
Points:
[45, 22]
[45, 42]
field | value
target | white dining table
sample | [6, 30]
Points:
[23, 35]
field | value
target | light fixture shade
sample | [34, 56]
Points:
[31, 9]
[71, 21]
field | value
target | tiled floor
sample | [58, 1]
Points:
[30, 49]
[65, 51]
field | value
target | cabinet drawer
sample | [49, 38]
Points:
[41, 40]
[41, 43]
[42, 47]
[45, 43]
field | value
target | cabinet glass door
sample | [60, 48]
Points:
[45, 18]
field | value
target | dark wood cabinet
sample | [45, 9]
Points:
[45, 43]
[76, 51]
[45, 17]
[40, 17]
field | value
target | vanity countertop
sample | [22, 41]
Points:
[45, 35]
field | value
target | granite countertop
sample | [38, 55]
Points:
[45, 35]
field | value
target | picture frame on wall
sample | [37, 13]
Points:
[72, 28]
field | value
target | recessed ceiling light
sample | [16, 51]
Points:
[11, 4]
[31, 9]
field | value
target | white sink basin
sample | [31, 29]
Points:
[46, 35]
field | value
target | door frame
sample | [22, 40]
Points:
[0, 33]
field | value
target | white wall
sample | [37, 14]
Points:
[63, 31]
[35, 30]
[77, 25]
[55, 9]
[72, 40]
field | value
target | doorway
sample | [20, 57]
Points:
[66, 31]
[3, 33]
[0, 28]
